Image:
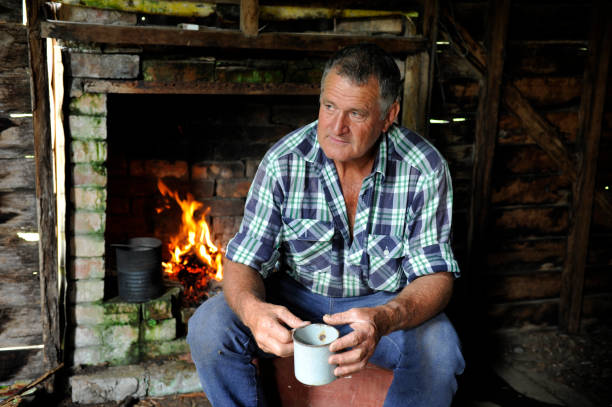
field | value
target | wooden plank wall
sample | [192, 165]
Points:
[531, 196]
[20, 315]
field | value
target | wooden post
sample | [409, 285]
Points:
[418, 76]
[45, 198]
[249, 17]
[486, 130]
[587, 144]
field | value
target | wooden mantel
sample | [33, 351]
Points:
[216, 38]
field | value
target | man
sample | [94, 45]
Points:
[348, 222]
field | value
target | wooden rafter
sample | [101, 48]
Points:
[213, 38]
[591, 113]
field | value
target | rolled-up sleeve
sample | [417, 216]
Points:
[428, 248]
[257, 241]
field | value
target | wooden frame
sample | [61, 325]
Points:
[45, 195]
[213, 38]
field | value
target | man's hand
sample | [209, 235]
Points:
[269, 325]
[362, 340]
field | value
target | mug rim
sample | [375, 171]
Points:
[294, 330]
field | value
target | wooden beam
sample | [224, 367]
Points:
[170, 36]
[199, 88]
[536, 126]
[587, 143]
[486, 130]
[45, 197]
[418, 76]
[249, 17]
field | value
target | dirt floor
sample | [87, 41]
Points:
[582, 362]
[531, 367]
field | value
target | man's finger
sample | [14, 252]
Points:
[337, 319]
[290, 319]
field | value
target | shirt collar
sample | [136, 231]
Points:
[311, 150]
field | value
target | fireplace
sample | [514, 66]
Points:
[125, 139]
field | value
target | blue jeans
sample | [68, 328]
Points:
[425, 360]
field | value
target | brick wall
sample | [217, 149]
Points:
[120, 146]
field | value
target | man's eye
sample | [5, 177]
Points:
[357, 115]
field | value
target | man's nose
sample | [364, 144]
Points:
[339, 125]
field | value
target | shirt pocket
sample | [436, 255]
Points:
[309, 243]
[385, 254]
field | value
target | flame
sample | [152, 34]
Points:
[193, 257]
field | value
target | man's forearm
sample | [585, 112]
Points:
[242, 287]
[416, 303]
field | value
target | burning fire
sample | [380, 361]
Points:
[194, 259]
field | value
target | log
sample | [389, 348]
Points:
[591, 113]
[530, 190]
[20, 326]
[14, 94]
[10, 11]
[13, 48]
[529, 221]
[17, 211]
[16, 138]
[20, 365]
[224, 39]
[16, 173]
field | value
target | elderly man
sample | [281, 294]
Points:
[347, 222]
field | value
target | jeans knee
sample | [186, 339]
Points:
[442, 349]
[212, 331]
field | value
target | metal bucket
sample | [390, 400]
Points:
[139, 274]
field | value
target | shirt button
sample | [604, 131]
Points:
[386, 252]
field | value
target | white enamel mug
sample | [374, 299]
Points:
[310, 354]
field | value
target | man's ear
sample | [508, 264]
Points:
[391, 115]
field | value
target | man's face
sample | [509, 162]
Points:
[350, 119]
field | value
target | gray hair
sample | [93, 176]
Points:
[359, 63]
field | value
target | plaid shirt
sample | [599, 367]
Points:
[295, 219]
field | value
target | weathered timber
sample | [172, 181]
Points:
[14, 94]
[543, 312]
[538, 128]
[528, 251]
[106, 34]
[16, 138]
[549, 189]
[16, 173]
[13, 48]
[528, 221]
[21, 292]
[525, 160]
[530, 286]
[20, 365]
[17, 209]
[198, 88]
[249, 17]
[45, 196]
[486, 133]
[418, 77]
[511, 128]
[549, 91]
[10, 11]
[20, 326]
[17, 257]
[591, 112]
